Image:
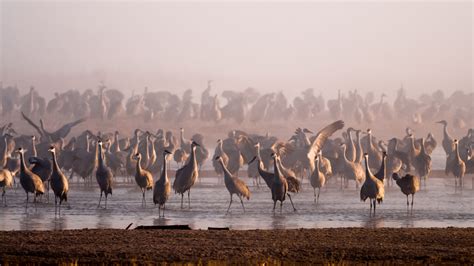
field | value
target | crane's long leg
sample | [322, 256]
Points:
[314, 192]
[230, 203]
[159, 210]
[164, 207]
[189, 198]
[27, 198]
[412, 200]
[242, 202]
[289, 196]
[281, 206]
[100, 199]
[4, 197]
[274, 204]
[182, 198]
[105, 200]
[375, 204]
[317, 199]
[55, 204]
[370, 200]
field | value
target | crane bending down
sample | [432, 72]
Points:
[234, 185]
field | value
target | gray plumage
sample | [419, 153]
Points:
[162, 189]
[234, 185]
[187, 175]
[143, 178]
[279, 185]
[30, 182]
[409, 185]
[103, 175]
[373, 188]
[59, 182]
[6, 180]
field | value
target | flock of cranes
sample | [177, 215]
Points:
[247, 106]
[364, 160]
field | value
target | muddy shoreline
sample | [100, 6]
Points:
[415, 245]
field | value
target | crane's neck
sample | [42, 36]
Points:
[164, 174]
[100, 159]
[445, 130]
[22, 162]
[358, 148]
[87, 144]
[367, 169]
[33, 148]
[224, 168]
[316, 164]
[221, 150]
[152, 148]
[276, 169]
[193, 155]
[5, 153]
[139, 166]
[181, 135]
[116, 141]
[147, 149]
[344, 154]
[456, 151]
[55, 162]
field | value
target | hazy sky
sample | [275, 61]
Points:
[270, 46]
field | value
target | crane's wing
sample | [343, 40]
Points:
[32, 124]
[322, 136]
[64, 130]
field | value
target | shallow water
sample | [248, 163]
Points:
[436, 205]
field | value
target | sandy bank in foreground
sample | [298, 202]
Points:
[303, 245]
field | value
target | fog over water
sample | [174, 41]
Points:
[59, 45]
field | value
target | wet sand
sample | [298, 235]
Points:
[336, 245]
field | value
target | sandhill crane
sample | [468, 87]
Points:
[458, 167]
[187, 175]
[430, 143]
[318, 143]
[381, 174]
[358, 148]
[143, 178]
[318, 179]
[30, 182]
[375, 157]
[269, 177]
[394, 163]
[422, 162]
[103, 175]
[219, 152]
[409, 185]
[372, 188]
[180, 156]
[293, 183]
[43, 168]
[234, 185]
[351, 170]
[351, 148]
[447, 142]
[162, 189]
[325, 165]
[6, 180]
[59, 182]
[279, 185]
